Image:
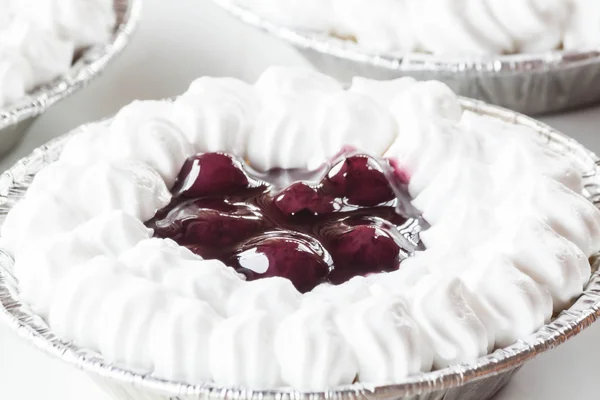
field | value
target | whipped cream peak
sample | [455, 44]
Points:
[578, 219]
[342, 119]
[79, 296]
[48, 55]
[49, 259]
[209, 280]
[16, 76]
[292, 82]
[113, 232]
[423, 99]
[142, 131]
[8, 13]
[387, 342]
[138, 113]
[423, 145]
[551, 259]
[308, 14]
[180, 340]
[459, 28]
[399, 283]
[340, 295]
[582, 32]
[459, 180]
[439, 306]
[86, 145]
[242, 351]
[216, 114]
[535, 25]
[161, 145]
[128, 185]
[126, 315]
[382, 26]
[382, 92]
[101, 186]
[510, 303]
[154, 258]
[86, 23]
[311, 351]
[282, 137]
[275, 295]
[35, 218]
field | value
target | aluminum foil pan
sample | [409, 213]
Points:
[16, 119]
[528, 83]
[478, 380]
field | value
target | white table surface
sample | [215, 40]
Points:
[177, 41]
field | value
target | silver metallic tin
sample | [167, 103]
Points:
[478, 380]
[528, 83]
[16, 118]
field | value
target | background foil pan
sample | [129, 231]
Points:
[528, 83]
[16, 118]
[477, 380]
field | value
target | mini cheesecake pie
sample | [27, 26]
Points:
[457, 27]
[40, 38]
[292, 233]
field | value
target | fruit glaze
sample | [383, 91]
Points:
[311, 227]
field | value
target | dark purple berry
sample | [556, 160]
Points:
[360, 180]
[211, 174]
[300, 197]
[293, 256]
[362, 250]
[211, 222]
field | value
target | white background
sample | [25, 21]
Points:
[179, 40]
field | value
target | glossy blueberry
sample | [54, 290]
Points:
[211, 174]
[362, 250]
[360, 180]
[299, 258]
[210, 222]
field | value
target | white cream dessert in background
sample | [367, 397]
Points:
[457, 27]
[505, 245]
[39, 39]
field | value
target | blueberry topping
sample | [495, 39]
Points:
[338, 222]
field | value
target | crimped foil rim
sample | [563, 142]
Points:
[90, 63]
[508, 64]
[14, 182]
